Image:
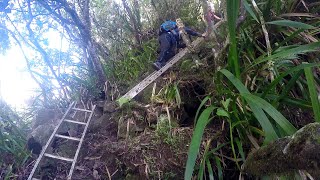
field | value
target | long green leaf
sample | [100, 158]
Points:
[293, 24]
[257, 111]
[257, 104]
[289, 52]
[199, 108]
[232, 9]
[196, 140]
[210, 171]
[220, 173]
[263, 120]
[313, 93]
[239, 145]
[275, 114]
[279, 78]
[235, 81]
[250, 11]
[288, 86]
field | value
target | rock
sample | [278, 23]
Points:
[34, 146]
[46, 116]
[42, 133]
[100, 104]
[288, 154]
[110, 107]
[130, 126]
[97, 124]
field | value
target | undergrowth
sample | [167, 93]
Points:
[273, 62]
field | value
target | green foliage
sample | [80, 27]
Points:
[13, 153]
[252, 100]
[313, 93]
[133, 65]
[164, 129]
[258, 106]
[168, 95]
[196, 141]
[289, 23]
[233, 62]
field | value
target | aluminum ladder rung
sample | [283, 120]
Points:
[35, 179]
[67, 137]
[75, 122]
[58, 157]
[54, 134]
[85, 110]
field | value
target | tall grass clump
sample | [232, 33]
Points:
[13, 152]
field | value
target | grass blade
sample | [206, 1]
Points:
[313, 93]
[210, 171]
[250, 11]
[232, 9]
[263, 120]
[288, 52]
[291, 70]
[257, 111]
[275, 114]
[201, 105]
[220, 173]
[257, 106]
[239, 145]
[196, 140]
[288, 87]
[177, 95]
[293, 24]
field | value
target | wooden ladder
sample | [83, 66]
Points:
[56, 135]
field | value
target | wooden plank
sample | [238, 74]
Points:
[49, 142]
[148, 80]
[67, 137]
[80, 144]
[85, 110]
[58, 157]
[75, 122]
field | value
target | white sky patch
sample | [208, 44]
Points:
[16, 85]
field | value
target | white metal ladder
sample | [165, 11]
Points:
[56, 135]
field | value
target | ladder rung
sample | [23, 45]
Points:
[76, 122]
[85, 110]
[35, 179]
[58, 157]
[67, 137]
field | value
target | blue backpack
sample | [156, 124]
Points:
[168, 25]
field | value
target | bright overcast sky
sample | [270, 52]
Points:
[16, 84]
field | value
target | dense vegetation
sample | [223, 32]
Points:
[259, 71]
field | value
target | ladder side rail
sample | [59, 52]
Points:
[49, 142]
[80, 144]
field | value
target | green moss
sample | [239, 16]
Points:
[287, 155]
[164, 129]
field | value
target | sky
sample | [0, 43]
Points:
[16, 84]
